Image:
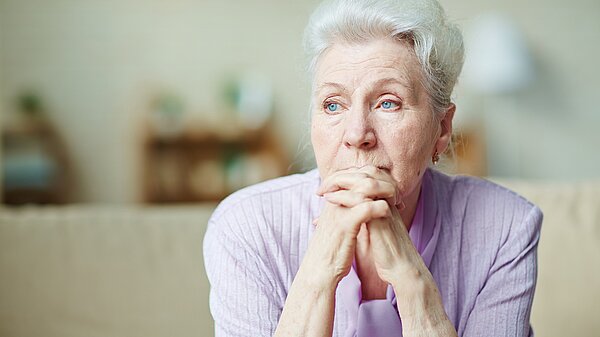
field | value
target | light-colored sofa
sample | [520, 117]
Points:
[137, 271]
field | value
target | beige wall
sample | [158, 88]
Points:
[96, 62]
[1, 115]
[549, 127]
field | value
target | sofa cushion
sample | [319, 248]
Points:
[567, 297]
[103, 271]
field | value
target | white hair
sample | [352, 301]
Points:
[437, 43]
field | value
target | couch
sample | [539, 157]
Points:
[93, 270]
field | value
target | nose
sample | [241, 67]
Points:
[359, 131]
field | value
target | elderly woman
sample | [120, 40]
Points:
[375, 242]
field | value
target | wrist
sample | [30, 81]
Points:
[417, 295]
[319, 279]
[421, 309]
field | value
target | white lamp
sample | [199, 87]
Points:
[497, 58]
[498, 65]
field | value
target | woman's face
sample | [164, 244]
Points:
[370, 108]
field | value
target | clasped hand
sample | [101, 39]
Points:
[361, 215]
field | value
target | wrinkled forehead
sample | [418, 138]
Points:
[378, 62]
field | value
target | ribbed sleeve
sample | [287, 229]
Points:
[243, 298]
[486, 262]
[503, 306]
[252, 249]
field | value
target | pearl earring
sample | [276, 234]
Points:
[435, 158]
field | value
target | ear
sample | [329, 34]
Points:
[445, 136]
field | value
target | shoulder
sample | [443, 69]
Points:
[485, 230]
[485, 218]
[464, 196]
[264, 226]
[268, 218]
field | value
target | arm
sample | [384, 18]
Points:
[310, 305]
[419, 302]
[503, 306]
[244, 298]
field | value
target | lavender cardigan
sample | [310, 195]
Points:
[482, 247]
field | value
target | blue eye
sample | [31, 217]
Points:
[388, 105]
[332, 107]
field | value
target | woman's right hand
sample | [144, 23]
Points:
[331, 250]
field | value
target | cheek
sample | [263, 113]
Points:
[321, 141]
[407, 143]
[326, 137]
[316, 136]
[408, 148]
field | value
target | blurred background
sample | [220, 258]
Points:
[142, 103]
[141, 100]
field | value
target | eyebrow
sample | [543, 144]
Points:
[383, 81]
[392, 80]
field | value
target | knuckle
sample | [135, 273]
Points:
[391, 189]
[364, 208]
[360, 196]
[383, 207]
[373, 184]
[370, 169]
[369, 184]
[363, 175]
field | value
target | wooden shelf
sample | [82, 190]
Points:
[36, 164]
[207, 165]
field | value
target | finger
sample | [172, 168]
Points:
[376, 189]
[381, 227]
[370, 170]
[363, 184]
[320, 189]
[377, 228]
[378, 173]
[340, 180]
[362, 239]
[384, 175]
[369, 210]
[343, 180]
[345, 198]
